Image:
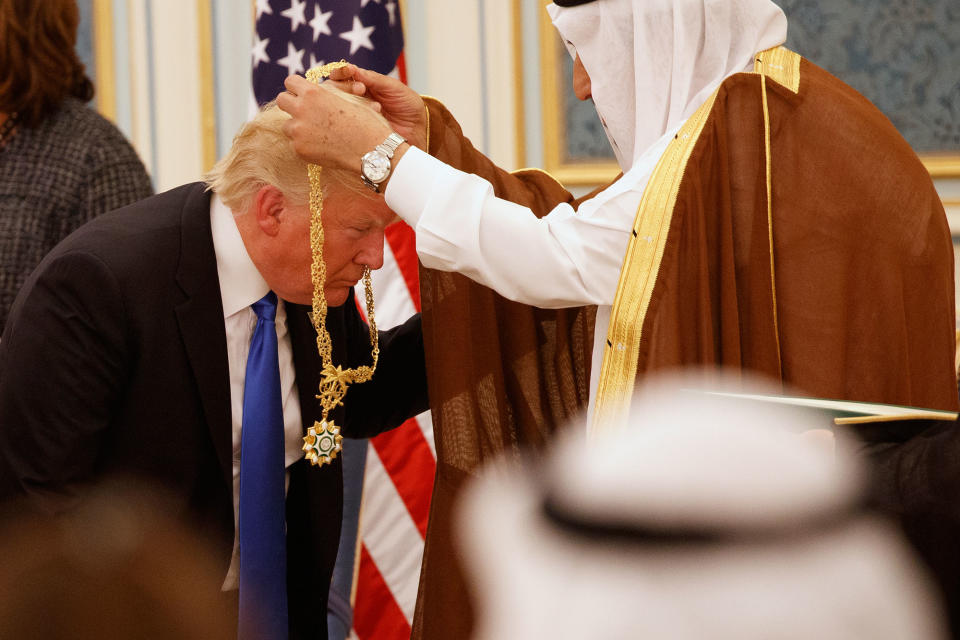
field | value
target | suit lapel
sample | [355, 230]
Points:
[200, 317]
[306, 361]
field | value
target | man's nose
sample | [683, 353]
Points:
[581, 80]
[371, 254]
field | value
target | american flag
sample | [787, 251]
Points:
[387, 485]
[295, 35]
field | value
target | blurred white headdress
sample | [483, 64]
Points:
[703, 519]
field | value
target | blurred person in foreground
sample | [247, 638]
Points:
[176, 341]
[61, 163]
[768, 219]
[118, 567]
[702, 517]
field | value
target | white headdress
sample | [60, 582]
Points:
[652, 63]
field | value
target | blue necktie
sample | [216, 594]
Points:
[262, 525]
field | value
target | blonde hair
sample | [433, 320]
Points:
[262, 155]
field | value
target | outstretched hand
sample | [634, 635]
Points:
[400, 105]
[329, 127]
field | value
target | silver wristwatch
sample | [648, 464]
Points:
[375, 165]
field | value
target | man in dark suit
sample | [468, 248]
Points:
[125, 354]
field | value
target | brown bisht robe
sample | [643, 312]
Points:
[857, 301]
[856, 304]
[504, 376]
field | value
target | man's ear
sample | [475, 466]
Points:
[267, 207]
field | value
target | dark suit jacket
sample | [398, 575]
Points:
[114, 361]
[915, 479]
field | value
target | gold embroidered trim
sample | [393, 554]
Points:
[426, 100]
[639, 273]
[645, 252]
[946, 416]
[780, 65]
[769, 171]
[426, 111]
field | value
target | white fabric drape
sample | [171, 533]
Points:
[681, 51]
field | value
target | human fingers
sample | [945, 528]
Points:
[353, 98]
[296, 84]
[286, 101]
[345, 72]
[292, 102]
[370, 79]
[348, 86]
[376, 83]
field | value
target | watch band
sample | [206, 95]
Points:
[390, 145]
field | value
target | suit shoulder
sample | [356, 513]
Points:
[145, 232]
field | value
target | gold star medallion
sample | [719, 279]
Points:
[323, 442]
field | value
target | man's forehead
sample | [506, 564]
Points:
[357, 205]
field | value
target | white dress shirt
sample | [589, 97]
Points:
[240, 286]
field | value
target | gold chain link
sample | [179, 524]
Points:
[334, 380]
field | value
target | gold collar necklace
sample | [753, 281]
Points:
[323, 440]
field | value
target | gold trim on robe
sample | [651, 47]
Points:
[780, 65]
[638, 276]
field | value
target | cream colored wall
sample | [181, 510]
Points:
[177, 91]
[161, 83]
[462, 53]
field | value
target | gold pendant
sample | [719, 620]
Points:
[322, 442]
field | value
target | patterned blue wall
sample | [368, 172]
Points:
[904, 55]
[85, 38]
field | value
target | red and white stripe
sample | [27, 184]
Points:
[399, 476]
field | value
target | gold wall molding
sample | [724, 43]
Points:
[208, 116]
[942, 166]
[519, 116]
[103, 52]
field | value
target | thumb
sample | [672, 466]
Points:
[377, 83]
[346, 72]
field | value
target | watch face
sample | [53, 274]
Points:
[375, 166]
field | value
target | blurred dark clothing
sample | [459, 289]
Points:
[53, 178]
[915, 468]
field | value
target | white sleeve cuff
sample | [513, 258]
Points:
[410, 186]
